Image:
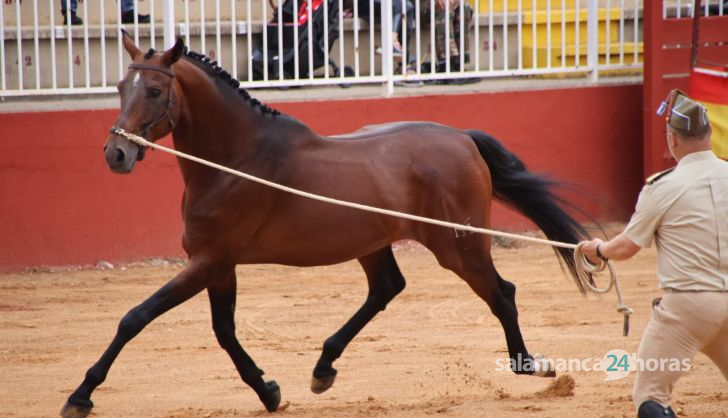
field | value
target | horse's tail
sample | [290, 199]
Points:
[531, 195]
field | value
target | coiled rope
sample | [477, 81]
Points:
[584, 268]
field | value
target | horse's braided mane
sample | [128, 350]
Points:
[220, 73]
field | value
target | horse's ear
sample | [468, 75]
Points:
[173, 54]
[129, 45]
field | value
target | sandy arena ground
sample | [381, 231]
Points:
[432, 352]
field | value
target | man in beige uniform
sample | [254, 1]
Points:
[685, 210]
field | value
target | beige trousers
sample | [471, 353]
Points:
[682, 324]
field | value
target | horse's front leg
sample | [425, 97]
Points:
[385, 282]
[222, 301]
[186, 284]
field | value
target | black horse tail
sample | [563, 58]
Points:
[532, 196]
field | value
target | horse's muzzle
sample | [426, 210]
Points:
[121, 155]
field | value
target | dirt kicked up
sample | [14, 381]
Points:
[434, 351]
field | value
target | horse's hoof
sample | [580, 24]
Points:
[271, 398]
[70, 410]
[543, 367]
[321, 385]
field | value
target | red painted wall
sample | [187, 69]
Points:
[59, 204]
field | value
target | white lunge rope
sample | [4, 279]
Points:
[579, 259]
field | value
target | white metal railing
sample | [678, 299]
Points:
[678, 9]
[257, 42]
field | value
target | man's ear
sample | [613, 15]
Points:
[173, 54]
[129, 45]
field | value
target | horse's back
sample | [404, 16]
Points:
[384, 130]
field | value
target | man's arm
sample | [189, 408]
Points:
[617, 248]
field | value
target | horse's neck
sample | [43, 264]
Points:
[212, 125]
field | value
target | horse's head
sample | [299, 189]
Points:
[148, 105]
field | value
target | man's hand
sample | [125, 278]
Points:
[590, 250]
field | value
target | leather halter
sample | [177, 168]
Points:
[169, 72]
[170, 102]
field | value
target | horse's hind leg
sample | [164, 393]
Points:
[471, 260]
[186, 284]
[385, 282]
[222, 303]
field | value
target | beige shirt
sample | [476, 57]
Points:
[686, 211]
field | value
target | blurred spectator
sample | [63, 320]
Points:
[127, 12]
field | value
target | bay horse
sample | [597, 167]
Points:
[420, 168]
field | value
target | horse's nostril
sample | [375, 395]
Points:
[105, 146]
[120, 156]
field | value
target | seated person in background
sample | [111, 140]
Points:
[127, 12]
[441, 37]
[400, 16]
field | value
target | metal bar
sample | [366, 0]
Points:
[577, 35]
[505, 34]
[403, 41]
[119, 45]
[592, 50]
[69, 40]
[280, 38]
[418, 40]
[136, 22]
[249, 32]
[19, 42]
[152, 26]
[356, 38]
[54, 74]
[86, 55]
[264, 7]
[233, 39]
[2, 46]
[203, 48]
[462, 37]
[608, 34]
[476, 29]
[534, 28]
[341, 39]
[187, 23]
[636, 26]
[621, 32]
[326, 43]
[447, 36]
[387, 70]
[433, 54]
[35, 43]
[563, 33]
[103, 43]
[372, 47]
[548, 34]
[520, 34]
[168, 21]
[309, 11]
[490, 35]
[295, 39]
[218, 39]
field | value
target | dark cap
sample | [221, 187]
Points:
[684, 114]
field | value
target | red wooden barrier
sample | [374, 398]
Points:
[667, 66]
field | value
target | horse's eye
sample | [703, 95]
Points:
[154, 92]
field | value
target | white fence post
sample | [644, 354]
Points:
[168, 19]
[592, 46]
[387, 58]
